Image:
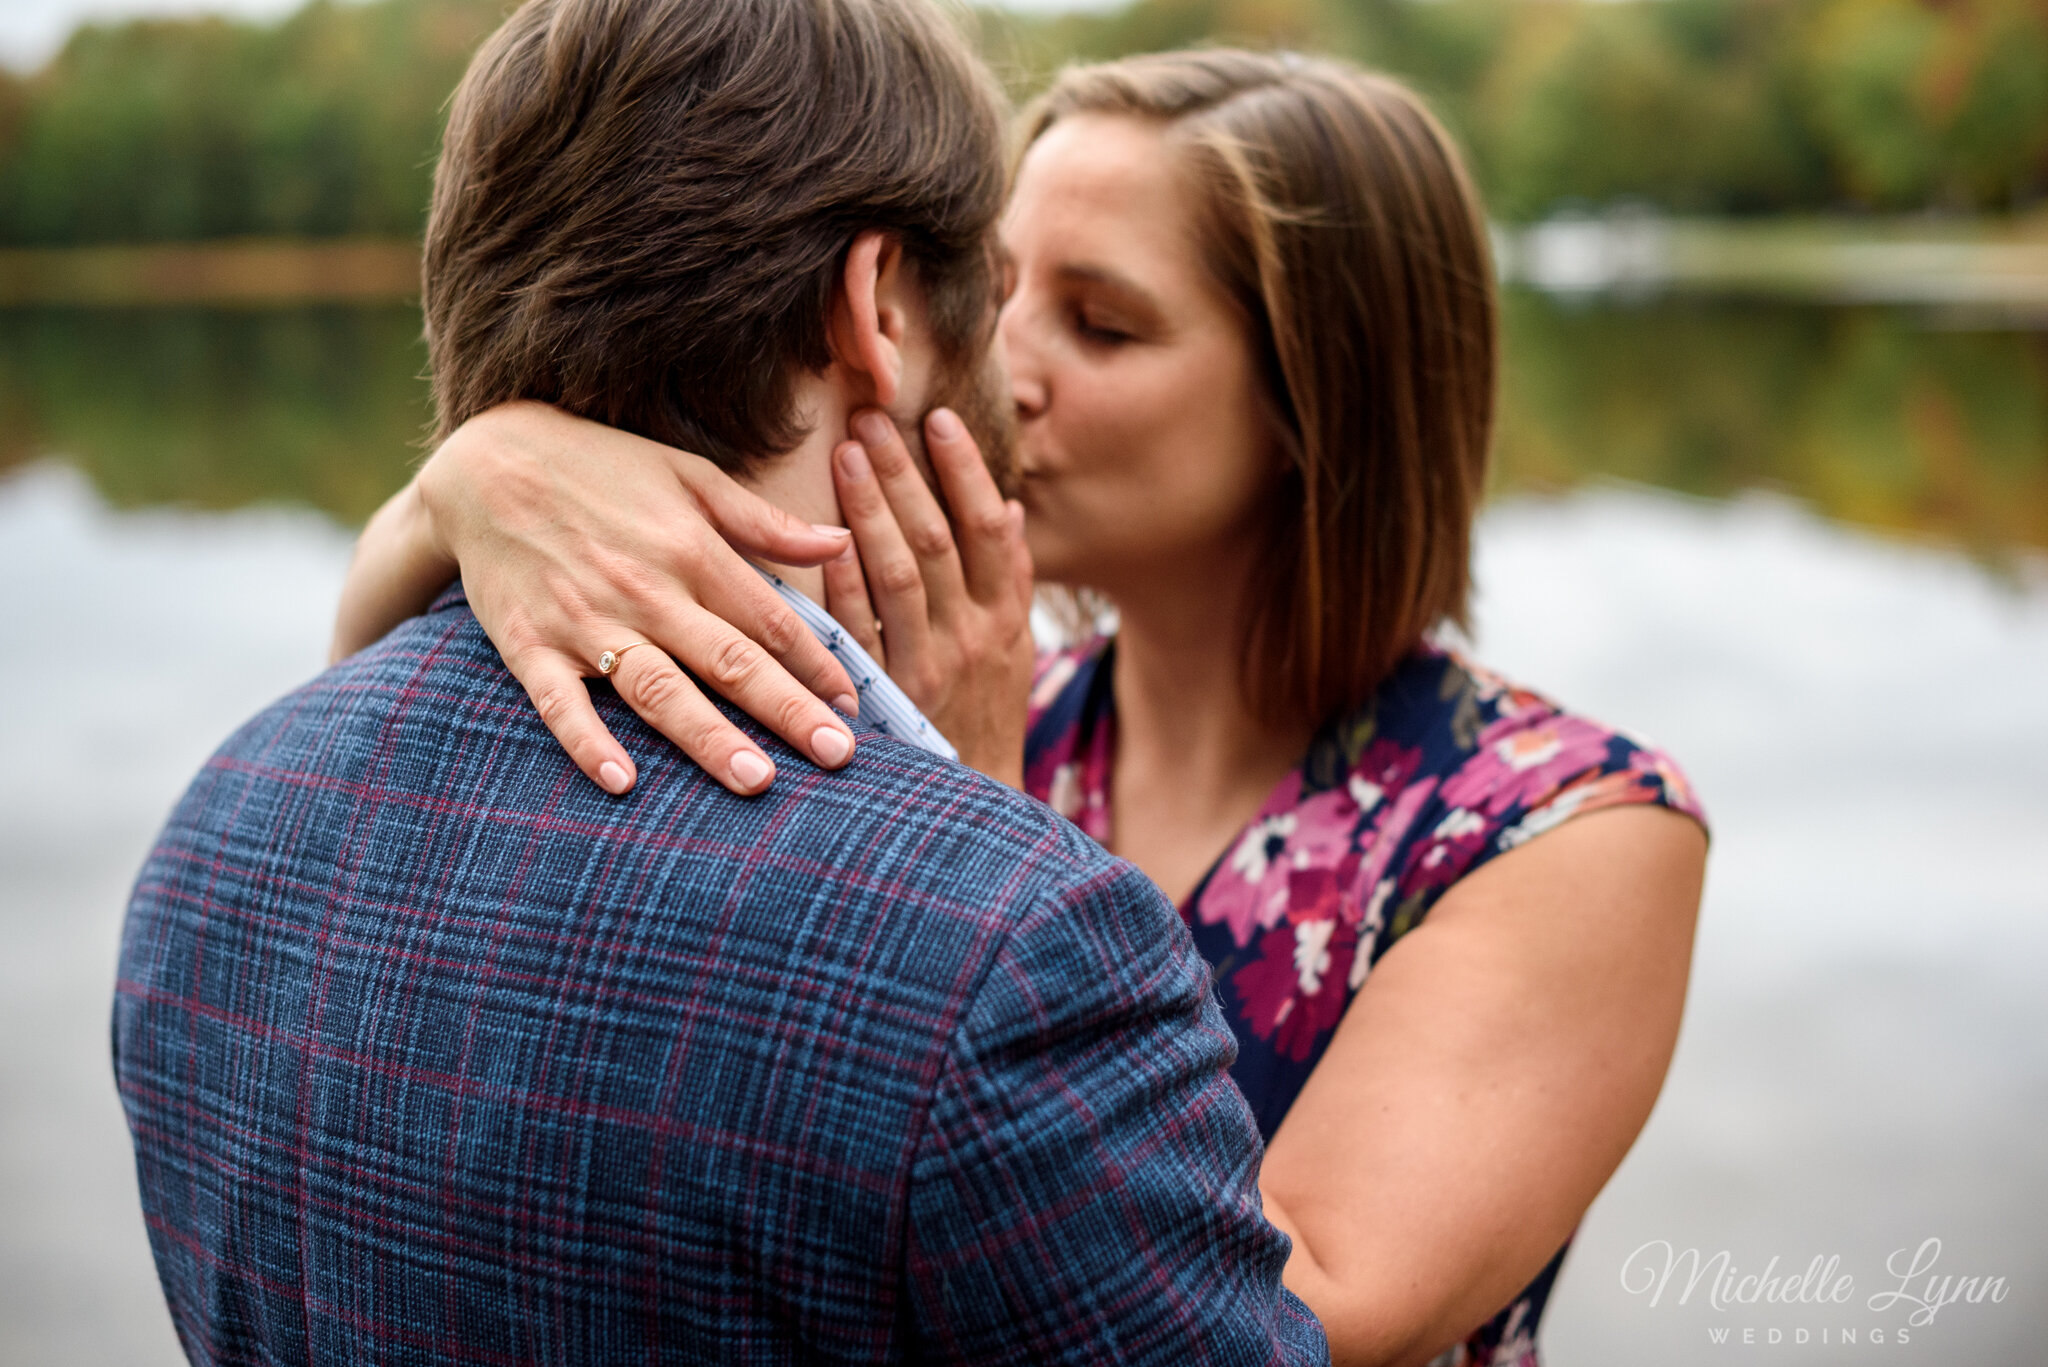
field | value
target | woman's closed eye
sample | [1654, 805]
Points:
[1005, 278]
[1099, 330]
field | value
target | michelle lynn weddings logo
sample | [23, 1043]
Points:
[1818, 1305]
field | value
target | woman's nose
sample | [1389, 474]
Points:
[1027, 385]
[1029, 396]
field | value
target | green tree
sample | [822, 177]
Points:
[322, 126]
[325, 125]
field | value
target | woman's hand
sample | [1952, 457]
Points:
[949, 617]
[573, 539]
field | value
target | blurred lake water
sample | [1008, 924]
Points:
[1923, 421]
[1802, 546]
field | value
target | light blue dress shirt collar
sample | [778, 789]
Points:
[883, 705]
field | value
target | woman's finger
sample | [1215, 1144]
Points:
[732, 589]
[981, 521]
[712, 572]
[751, 522]
[742, 672]
[895, 579]
[918, 514]
[666, 700]
[846, 598]
[555, 685]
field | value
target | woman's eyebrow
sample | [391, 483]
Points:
[1129, 292]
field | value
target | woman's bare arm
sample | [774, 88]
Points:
[1491, 1075]
[398, 567]
[574, 539]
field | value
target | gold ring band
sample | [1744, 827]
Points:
[609, 661]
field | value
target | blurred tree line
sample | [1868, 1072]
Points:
[325, 125]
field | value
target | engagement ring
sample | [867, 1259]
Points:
[609, 661]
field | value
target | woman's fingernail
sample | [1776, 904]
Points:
[831, 746]
[1016, 516]
[751, 770]
[872, 428]
[853, 462]
[847, 703]
[826, 529]
[614, 777]
[944, 425]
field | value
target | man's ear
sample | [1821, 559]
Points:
[870, 314]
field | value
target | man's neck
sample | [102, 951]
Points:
[800, 480]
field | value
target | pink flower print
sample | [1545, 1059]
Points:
[1297, 987]
[1072, 787]
[1325, 823]
[1262, 848]
[1677, 789]
[1074, 780]
[1384, 767]
[1444, 857]
[1324, 892]
[1375, 914]
[1251, 889]
[1390, 828]
[1312, 954]
[1517, 1346]
[1369, 924]
[1055, 672]
[1517, 764]
[1063, 793]
[1514, 700]
[1589, 794]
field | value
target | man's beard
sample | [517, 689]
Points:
[979, 392]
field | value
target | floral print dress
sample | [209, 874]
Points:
[1447, 766]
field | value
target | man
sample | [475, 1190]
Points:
[433, 1052]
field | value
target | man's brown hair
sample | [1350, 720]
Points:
[1339, 219]
[642, 207]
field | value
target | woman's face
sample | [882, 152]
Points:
[1142, 439]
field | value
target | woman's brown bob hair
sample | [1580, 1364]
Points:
[1341, 221]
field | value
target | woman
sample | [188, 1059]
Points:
[1251, 339]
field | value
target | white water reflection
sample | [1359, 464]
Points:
[1864, 1063]
[1865, 1059]
[1633, 250]
[133, 644]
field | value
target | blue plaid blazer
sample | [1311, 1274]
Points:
[434, 1053]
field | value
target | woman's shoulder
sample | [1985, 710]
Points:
[1445, 767]
[1503, 760]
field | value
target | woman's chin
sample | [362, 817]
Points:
[1055, 559]
[1060, 559]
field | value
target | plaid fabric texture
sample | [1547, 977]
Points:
[434, 1053]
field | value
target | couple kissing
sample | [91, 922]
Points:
[692, 921]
